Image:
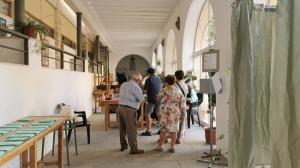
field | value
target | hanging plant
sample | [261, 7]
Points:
[33, 28]
[158, 62]
[212, 33]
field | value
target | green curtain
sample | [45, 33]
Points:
[263, 29]
[265, 85]
[242, 117]
[285, 88]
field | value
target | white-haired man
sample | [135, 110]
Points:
[131, 95]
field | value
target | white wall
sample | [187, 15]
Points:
[33, 90]
[222, 13]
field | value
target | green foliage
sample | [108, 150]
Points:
[212, 33]
[158, 62]
[162, 76]
[41, 29]
[190, 77]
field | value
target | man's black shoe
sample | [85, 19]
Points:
[123, 148]
[158, 132]
[138, 151]
[146, 133]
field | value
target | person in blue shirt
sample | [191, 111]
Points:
[131, 96]
[192, 95]
[153, 85]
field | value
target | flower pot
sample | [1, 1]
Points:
[30, 31]
[207, 135]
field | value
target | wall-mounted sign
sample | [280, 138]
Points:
[210, 61]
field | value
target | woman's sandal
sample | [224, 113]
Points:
[158, 149]
[166, 140]
[172, 150]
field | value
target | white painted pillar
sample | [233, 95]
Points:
[222, 15]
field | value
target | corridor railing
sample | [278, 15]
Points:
[76, 61]
[6, 34]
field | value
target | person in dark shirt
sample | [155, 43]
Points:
[152, 86]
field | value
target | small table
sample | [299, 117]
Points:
[106, 104]
[28, 148]
[97, 97]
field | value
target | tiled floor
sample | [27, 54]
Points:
[103, 152]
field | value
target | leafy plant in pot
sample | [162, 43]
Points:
[32, 28]
[207, 130]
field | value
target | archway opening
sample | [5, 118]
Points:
[205, 38]
[129, 64]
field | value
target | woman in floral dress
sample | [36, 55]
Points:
[170, 113]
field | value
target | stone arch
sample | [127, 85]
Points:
[129, 64]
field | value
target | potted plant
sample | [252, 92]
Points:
[212, 103]
[207, 135]
[158, 62]
[32, 28]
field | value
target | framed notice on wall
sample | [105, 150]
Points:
[210, 61]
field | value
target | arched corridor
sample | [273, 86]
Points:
[110, 65]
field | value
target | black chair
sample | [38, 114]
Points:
[200, 98]
[82, 123]
[193, 110]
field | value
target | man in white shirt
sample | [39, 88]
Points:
[131, 95]
[183, 87]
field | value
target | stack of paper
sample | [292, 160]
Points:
[10, 143]
[3, 132]
[6, 148]
[2, 153]
[18, 138]
[25, 120]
